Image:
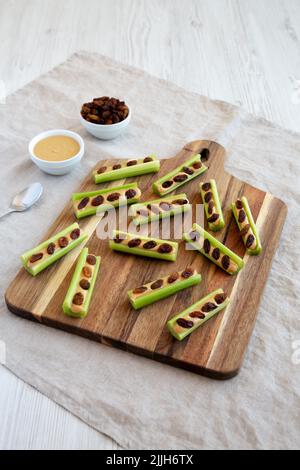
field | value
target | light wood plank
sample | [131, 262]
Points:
[29, 420]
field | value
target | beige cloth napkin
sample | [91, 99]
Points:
[136, 401]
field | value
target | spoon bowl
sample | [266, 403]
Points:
[25, 198]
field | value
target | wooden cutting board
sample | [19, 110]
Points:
[217, 348]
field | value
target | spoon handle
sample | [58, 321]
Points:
[7, 212]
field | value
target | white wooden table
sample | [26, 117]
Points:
[241, 51]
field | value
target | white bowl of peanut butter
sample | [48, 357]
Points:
[57, 151]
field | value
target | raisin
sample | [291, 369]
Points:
[36, 257]
[102, 169]
[83, 203]
[197, 314]
[188, 272]
[173, 277]
[131, 163]
[206, 246]
[91, 259]
[165, 206]
[115, 118]
[149, 245]
[117, 167]
[139, 290]
[134, 242]
[194, 236]
[148, 159]
[78, 299]
[184, 323]
[157, 284]
[187, 170]
[210, 207]
[225, 261]
[216, 253]
[113, 197]
[130, 193]
[219, 298]
[245, 230]
[165, 248]
[206, 186]
[51, 248]
[86, 271]
[180, 178]
[208, 307]
[197, 165]
[143, 212]
[153, 208]
[208, 196]
[93, 118]
[167, 184]
[242, 216]
[97, 201]
[75, 233]
[63, 242]
[250, 240]
[180, 202]
[118, 239]
[213, 218]
[239, 204]
[84, 284]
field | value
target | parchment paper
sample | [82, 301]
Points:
[136, 401]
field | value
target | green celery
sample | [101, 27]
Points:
[43, 264]
[176, 209]
[73, 288]
[150, 296]
[93, 210]
[180, 333]
[203, 234]
[140, 168]
[257, 250]
[151, 253]
[157, 185]
[219, 224]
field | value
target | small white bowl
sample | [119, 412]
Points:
[56, 168]
[106, 131]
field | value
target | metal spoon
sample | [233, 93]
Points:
[25, 199]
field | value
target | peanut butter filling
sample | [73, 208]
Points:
[162, 207]
[125, 164]
[207, 204]
[137, 242]
[87, 272]
[148, 287]
[232, 266]
[182, 176]
[54, 246]
[108, 198]
[249, 232]
[198, 314]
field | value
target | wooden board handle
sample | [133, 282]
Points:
[211, 152]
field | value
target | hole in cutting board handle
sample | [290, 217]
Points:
[211, 151]
[205, 154]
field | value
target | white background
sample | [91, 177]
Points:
[246, 52]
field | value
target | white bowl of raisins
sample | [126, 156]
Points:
[105, 118]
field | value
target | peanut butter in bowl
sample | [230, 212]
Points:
[56, 152]
[56, 148]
